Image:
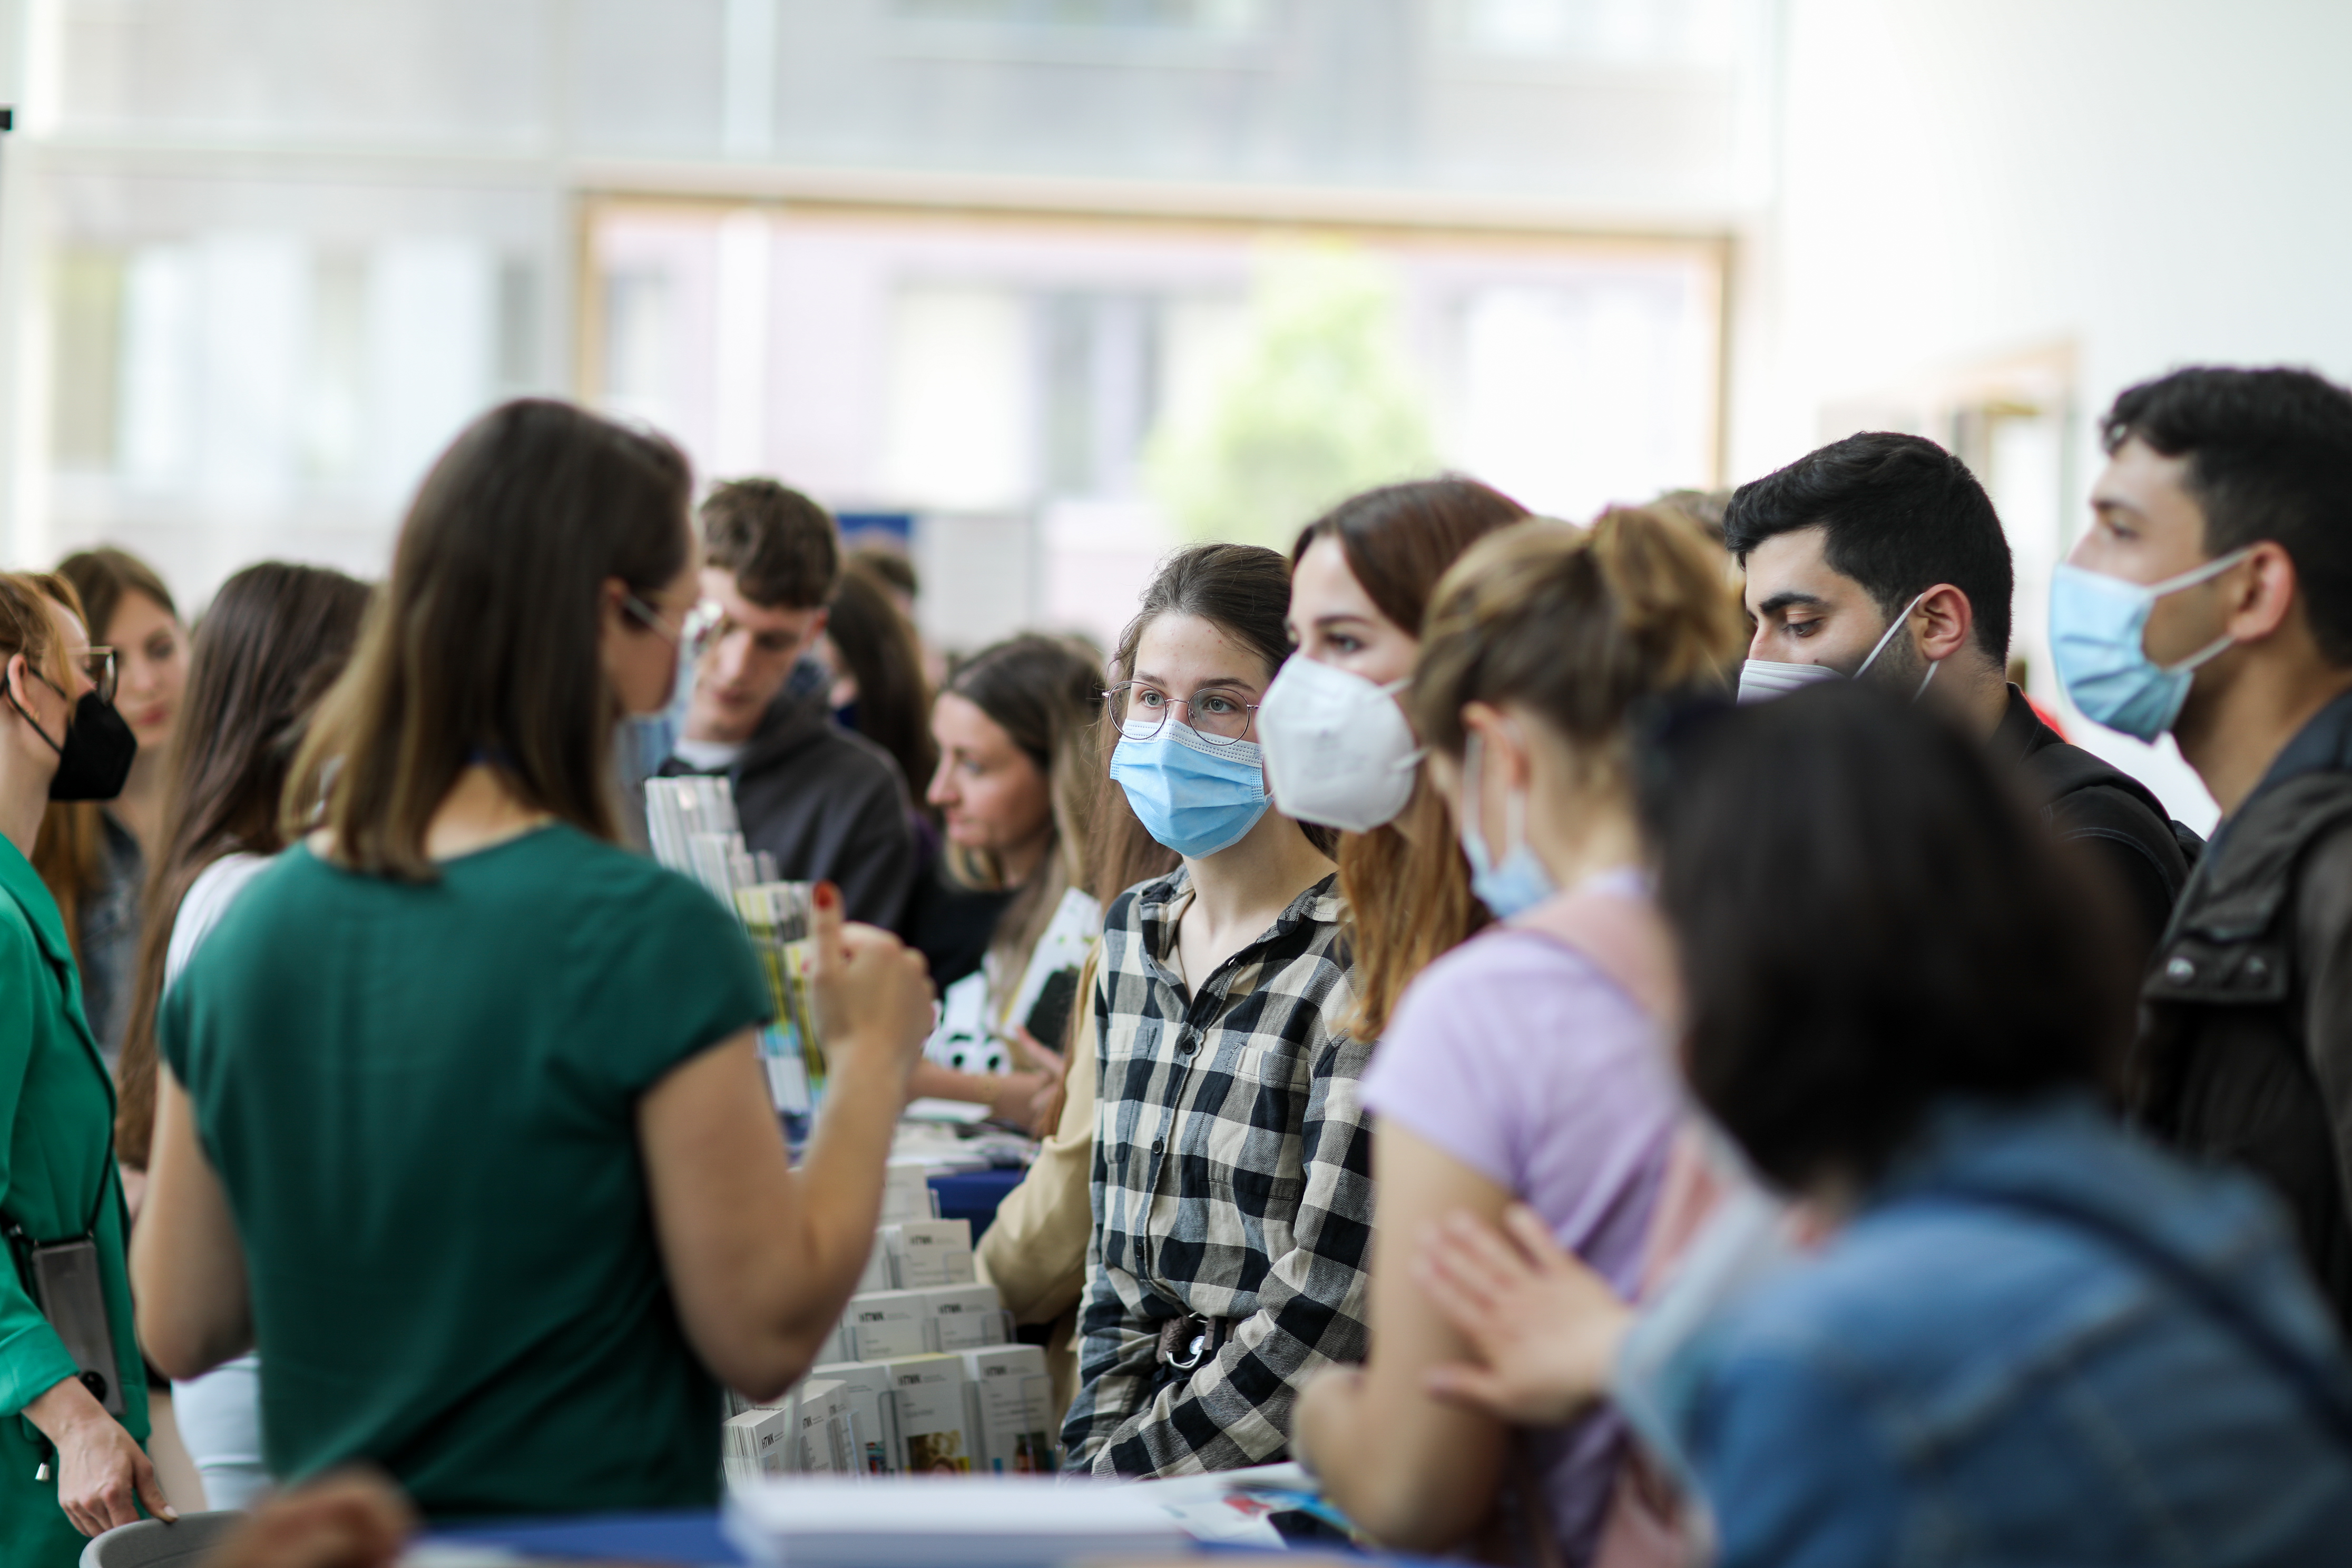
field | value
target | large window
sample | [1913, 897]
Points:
[1104, 389]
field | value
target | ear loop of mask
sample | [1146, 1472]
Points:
[8, 687]
[1896, 625]
[1411, 759]
[2190, 579]
[1474, 810]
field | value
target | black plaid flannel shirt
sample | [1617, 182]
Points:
[1233, 1178]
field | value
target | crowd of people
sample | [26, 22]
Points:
[1617, 1041]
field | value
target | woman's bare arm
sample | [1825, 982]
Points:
[187, 1266]
[763, 1259]
[1542, 1327]
[1417, 1475]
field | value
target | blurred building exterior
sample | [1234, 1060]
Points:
[951, 258]
[969, 262]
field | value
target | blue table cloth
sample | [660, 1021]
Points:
[974, 1195]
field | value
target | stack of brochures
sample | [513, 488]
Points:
[692, 825]
[985, 1411]
[918, 1377]
[989, 1523]
[776, 917]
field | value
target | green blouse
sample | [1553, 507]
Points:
[421, 1101]
[57, 1105]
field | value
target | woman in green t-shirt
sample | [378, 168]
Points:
[460, 1119]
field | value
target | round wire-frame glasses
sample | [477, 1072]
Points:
[104, 667]
[692, 635]
[1141, 709]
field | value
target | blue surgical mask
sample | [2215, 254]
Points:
[2097, 626]
[1520, 882]
[650, 738]
[1192, 794]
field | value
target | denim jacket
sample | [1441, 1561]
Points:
[1955, 1380]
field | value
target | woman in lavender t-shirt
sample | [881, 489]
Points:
[1529, 1063]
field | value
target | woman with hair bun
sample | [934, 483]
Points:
[1530, 1064]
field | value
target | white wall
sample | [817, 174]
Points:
[2155, 182]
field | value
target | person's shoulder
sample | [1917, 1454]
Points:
[20, 944]
[1945, 1309]
[1127, 910]
[1522, 972]
[823, 758]
[593, 870]
[298, 880]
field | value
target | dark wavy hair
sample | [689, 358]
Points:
[1871, 920]
[2270, 457]
[1901, 515]
[893, 707]
[275, 639]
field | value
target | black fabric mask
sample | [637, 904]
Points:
[97, 752]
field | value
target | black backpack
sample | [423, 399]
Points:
[2066, 768]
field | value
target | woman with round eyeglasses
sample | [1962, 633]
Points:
[74, 1465]
[1234, 1167]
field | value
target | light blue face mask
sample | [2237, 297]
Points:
[1520, 882]
[2097, 626]
[1193, 796]
[650, 738]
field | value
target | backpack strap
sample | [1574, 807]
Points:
[2067, 769]
[1620, 935]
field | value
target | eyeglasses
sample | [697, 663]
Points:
[96, 663]
[691, 635]
[1139, 710]
[100, 665]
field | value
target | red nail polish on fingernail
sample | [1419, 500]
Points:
[827, 894]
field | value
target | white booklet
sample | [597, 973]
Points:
[818, 1521]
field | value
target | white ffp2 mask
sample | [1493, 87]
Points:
[1337, 749]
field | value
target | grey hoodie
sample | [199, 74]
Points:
[827, 804]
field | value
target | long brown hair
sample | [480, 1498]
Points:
[1044, 693]
[894, 700]
[275, 639]
[486, 644]
[1408, 887]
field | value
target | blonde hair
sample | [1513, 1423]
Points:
[1579, 625]
[1044, 693]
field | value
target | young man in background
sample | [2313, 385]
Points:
[825, 803]
[1880, 556]
[2212, 598]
